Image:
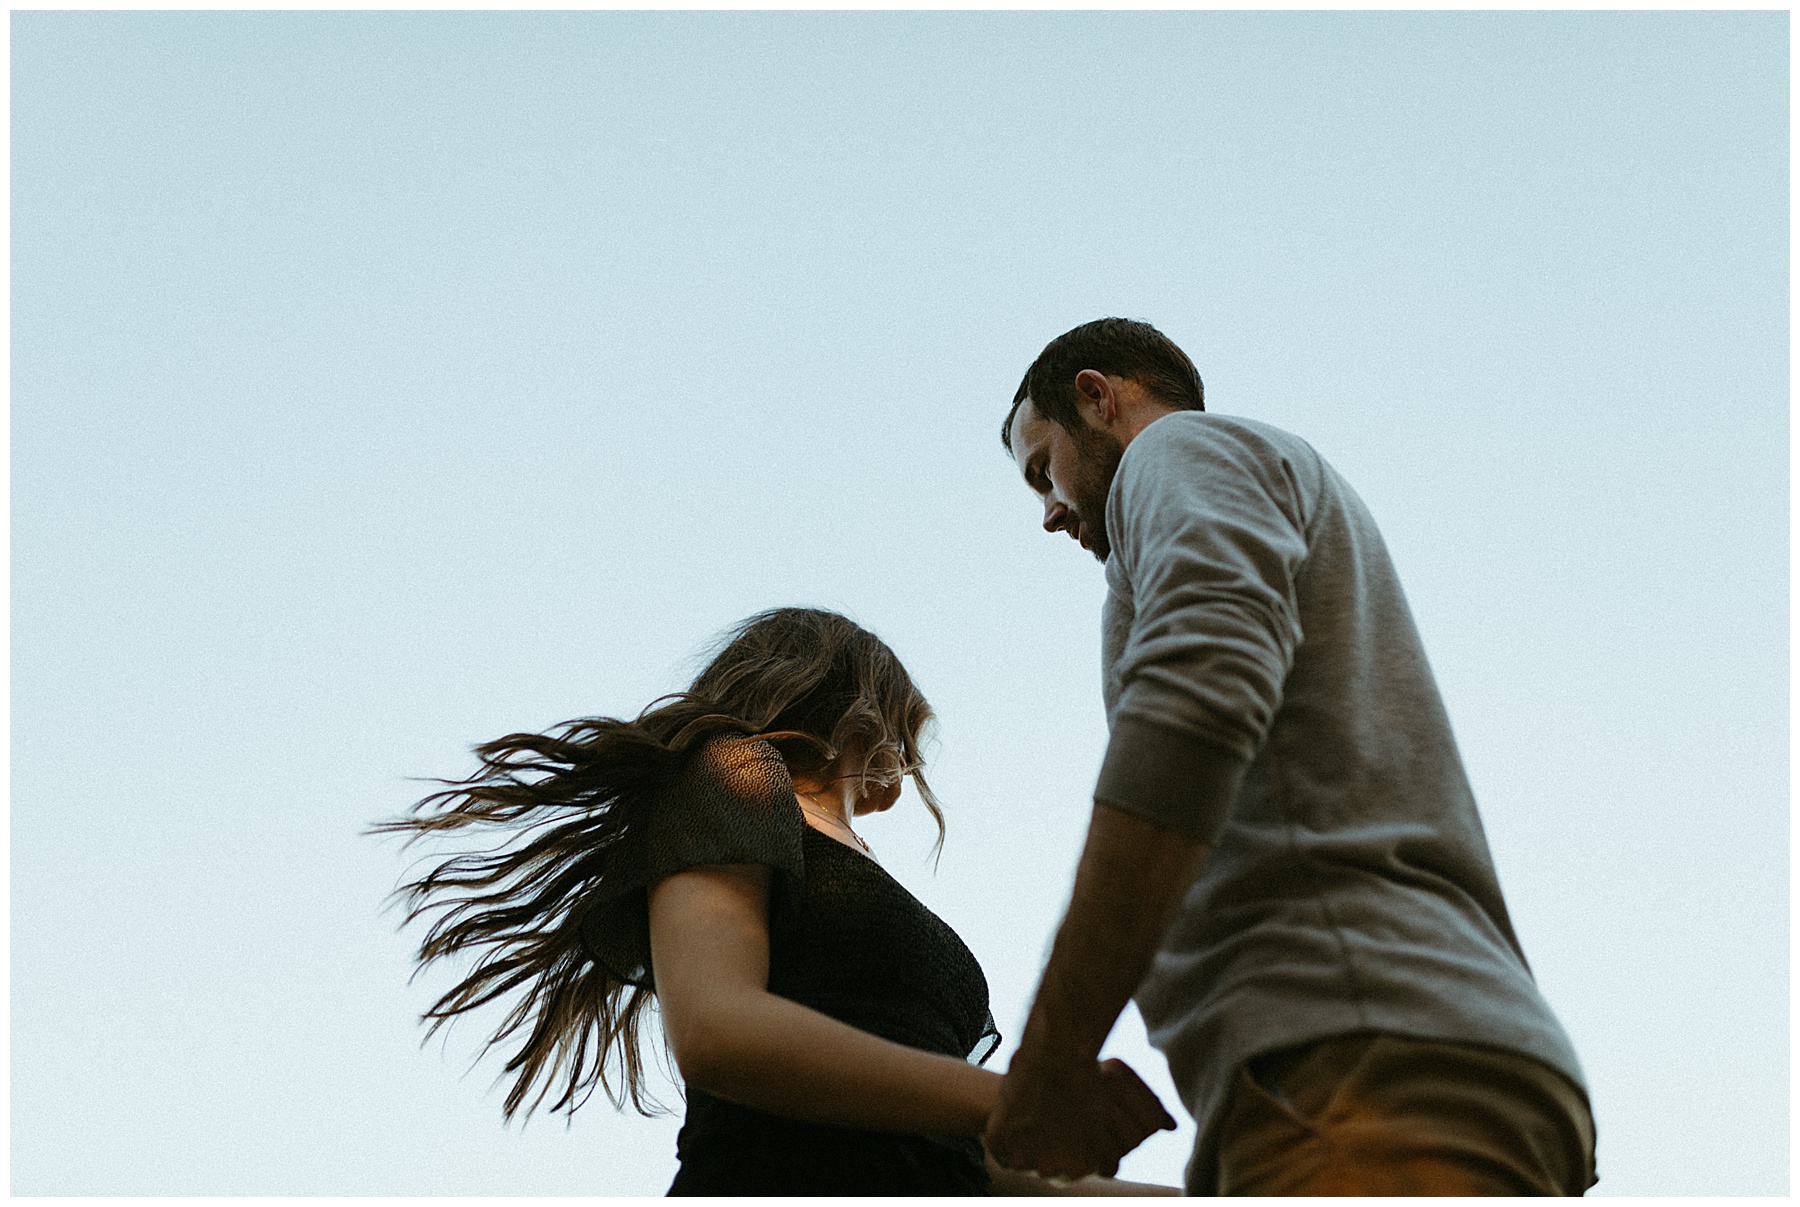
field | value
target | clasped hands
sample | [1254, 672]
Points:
[1069, 1119]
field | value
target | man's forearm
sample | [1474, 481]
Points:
[1130, 882]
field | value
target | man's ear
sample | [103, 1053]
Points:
[1093, 390]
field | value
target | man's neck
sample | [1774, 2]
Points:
[1137, 412]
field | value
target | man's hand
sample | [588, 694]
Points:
[1072, 1120]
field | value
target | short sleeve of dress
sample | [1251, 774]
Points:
[730, 802]
[987, 1044]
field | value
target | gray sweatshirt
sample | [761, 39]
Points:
[1267, 694]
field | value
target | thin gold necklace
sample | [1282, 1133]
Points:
[837, 822]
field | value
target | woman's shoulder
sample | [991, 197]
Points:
[730, 753]
[738, 765]
[725, 782]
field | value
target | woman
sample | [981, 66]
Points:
[823, 1020]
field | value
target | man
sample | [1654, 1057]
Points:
[1284, 864]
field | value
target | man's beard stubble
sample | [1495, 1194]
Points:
[1099, 454]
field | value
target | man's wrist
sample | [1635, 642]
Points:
[1069, 1021]
[1049, 1057]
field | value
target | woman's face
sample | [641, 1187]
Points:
[870, 797]
[877, 799]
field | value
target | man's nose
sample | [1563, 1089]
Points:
[1055, 514]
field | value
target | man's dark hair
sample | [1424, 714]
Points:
[1118, 348]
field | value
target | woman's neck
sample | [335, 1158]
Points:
[828, 809]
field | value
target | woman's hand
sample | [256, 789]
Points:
[1016, 1182]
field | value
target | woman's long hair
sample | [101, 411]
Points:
[826, 692]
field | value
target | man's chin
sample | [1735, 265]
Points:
[1093, 540]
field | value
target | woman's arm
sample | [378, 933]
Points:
[709, 942]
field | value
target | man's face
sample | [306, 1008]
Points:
[1070, 471]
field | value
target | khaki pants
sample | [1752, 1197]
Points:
[1385, 1115]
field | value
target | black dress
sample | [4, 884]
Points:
[844, 938]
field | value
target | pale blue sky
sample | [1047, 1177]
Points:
[383, 383]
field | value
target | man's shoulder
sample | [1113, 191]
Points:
[1199, 425]
[1185, 435]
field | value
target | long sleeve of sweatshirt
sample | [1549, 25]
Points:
[1207, 526]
